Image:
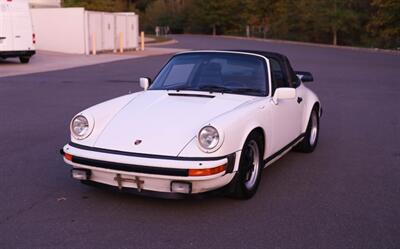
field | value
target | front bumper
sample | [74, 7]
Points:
[148, 173]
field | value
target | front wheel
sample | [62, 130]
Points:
[248, 177]
[310, 140]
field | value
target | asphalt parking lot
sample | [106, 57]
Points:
[344, 195]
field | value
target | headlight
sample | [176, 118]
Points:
[208, 138]
[80, 127]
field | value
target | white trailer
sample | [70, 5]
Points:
[16, 33]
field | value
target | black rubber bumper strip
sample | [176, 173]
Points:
[142, 169]
[146, 169]
[134, 154]
[130, 167]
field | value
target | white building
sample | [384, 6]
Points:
[45, 3]
[78, 31]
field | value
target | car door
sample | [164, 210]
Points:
[21, 26]
[6, 36]
[286, 113]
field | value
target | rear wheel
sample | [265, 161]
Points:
[310, 140]
[24, 59]
[247, 179]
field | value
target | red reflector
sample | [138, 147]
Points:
[207, 172]
[68, 156]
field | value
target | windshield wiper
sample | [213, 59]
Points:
[246, 90]
[178, 88]
[214, 88]
[222, 89]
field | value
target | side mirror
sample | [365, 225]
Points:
[283, 93]
[144, 83]
[305, 76]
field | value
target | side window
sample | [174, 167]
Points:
[294, 80]
[278, 75]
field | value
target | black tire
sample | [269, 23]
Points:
[310, 141]
[24, 59]
[245, 183]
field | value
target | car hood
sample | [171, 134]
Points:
[158, 122]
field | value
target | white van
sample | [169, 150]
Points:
[16, 36]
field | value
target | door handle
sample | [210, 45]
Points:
[299, 99]
[2, 38]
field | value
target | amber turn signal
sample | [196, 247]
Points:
[207, 172]
[68, 156]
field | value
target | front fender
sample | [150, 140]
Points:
[236, 126]
[102, 114]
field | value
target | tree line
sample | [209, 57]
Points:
[369, 23]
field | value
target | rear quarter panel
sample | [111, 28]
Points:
[310, 99]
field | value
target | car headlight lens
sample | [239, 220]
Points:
[80, 127]
[208, 138]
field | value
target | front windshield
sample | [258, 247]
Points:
[214, 72]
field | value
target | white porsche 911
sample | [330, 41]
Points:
[211, 120]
